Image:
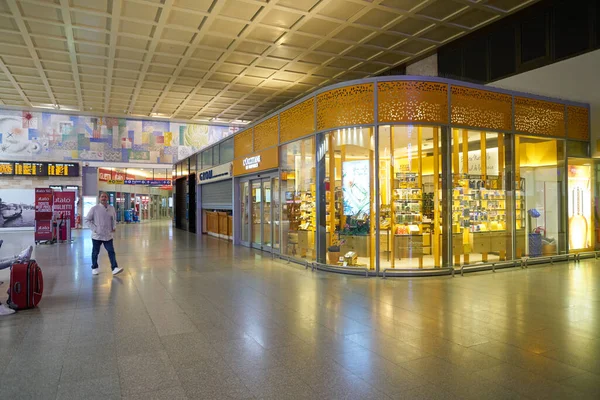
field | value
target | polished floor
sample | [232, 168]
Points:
[193, 317]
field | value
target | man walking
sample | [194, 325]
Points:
[103, 222]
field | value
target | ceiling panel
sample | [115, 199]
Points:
[231, 59]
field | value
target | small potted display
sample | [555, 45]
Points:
[333, 254]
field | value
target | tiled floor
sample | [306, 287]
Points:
[192, 317]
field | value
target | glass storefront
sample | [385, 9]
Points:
[298, 194]
[410, 219]
[397, 174]
[539, 195]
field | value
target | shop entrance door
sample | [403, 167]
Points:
[262, 214]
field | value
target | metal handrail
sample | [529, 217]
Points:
[589, 254]
[418, 271]
[551, 259]
[491, 266]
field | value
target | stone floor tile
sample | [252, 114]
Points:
[146, 372]
[194, 317]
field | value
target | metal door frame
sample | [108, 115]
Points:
[270, 176]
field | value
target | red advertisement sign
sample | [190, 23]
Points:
[43, 204]
[43, 230]
[105, 175]
[64, 205]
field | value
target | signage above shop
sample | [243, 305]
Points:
[262, 161]
[218, 173]
[25, 168]
[251, 162]
[149, 182]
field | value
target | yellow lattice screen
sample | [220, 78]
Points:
[265, 134]
[352, 105]
[410, 101]
[539, 117]
[298, 121]
[242, 143]
[481, 108]
[578, 123]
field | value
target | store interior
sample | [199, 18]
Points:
[486, 207]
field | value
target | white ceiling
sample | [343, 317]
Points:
[221, 60]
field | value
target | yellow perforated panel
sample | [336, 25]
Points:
[539, 117]
[578, 123]
[242, 143]
[481, 108]
[352, 105]
[298, 121]
[410, 101]
[265, 134]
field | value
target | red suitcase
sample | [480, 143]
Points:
[26, 285]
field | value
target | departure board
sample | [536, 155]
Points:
[26, 168]
[7, 168]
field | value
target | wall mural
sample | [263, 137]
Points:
[40, 136]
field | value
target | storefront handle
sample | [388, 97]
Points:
[417, 272]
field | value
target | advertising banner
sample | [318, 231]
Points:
[43, 230]
[43, 203]
[64, 204]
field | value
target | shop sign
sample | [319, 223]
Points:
[263, 161]
[251, 162]
[218, 173]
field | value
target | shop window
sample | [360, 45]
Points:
[410, 211]
[482, 210]
[298, 195]
[348, 182]
[540, 203]
[579, 197]
[577, 149]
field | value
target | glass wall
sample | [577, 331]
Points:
[410, 218]
[482, 207]
[348, 183]
[244, 211]
[540, 213]
[226, 151]
[579, 195]
[298, 195]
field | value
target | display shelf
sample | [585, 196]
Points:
[478, 205]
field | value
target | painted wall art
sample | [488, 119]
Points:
[58, 137]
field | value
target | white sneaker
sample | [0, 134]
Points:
[117, 271]
[95, 271]
[5, 310]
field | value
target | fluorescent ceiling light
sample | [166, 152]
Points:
[157, 115]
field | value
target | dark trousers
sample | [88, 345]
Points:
[110, 249]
